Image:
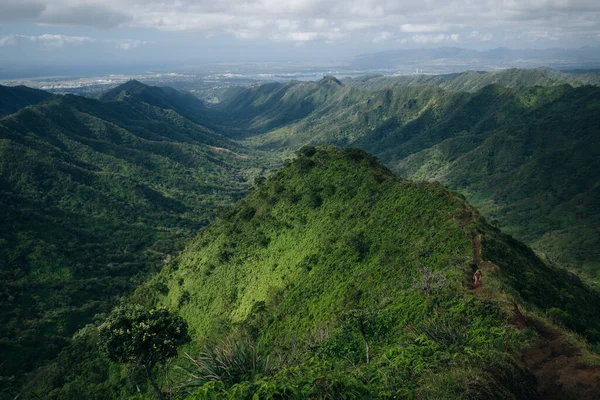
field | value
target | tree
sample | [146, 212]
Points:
[133, 334]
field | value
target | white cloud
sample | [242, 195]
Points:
[46, 40]
[435, 39]
[326, 20]
[8, 40]
[127, 44]
[422, 28]
[328, 36]
[482, 37]
[59, 41]
[535, 35]
[383, 37]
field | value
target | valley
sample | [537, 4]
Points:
[260, 222]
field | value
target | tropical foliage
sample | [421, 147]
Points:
[334, 278]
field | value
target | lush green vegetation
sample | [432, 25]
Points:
[472, 81]
[143, 338]
[94, 196]
[166, 98]
[12, 99]
[526, 156]
[335, 279]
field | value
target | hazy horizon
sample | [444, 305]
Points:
[101, 36]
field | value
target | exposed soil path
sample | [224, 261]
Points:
[559, 368]
[482, 265]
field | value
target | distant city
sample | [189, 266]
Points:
[209, 81]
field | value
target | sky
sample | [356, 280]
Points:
[98, 33]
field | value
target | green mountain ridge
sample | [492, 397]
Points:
[472, 81]
[351, 282]
[14, 98]
[94, 196]
[166, 98]
[490, 144]
[356, 284]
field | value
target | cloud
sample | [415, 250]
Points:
[426, 22]
[127, 44]
[327, 36]
[535, 35]
[46, 40]
[482, 37]
[422, 28]
[383, 37]
[435, 39]
[8, 41]
[94, 15]
[58, 41]
[20, 10]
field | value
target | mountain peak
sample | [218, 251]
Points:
[330, 79]
[133, 87]
[335, 243]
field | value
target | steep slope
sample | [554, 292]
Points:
[272, 105]
[165, 98]
[353, 283]
[14, 98]
[472, 81]
[503, 147]
[335, 241]
[94, 196]
[536, 173]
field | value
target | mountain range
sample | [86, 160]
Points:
[95, 195]
[524, 153]
[352, 276]
[336, 279]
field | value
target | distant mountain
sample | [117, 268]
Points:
[13, 98]
[93, 197]
[471, 81]
[588, 57]
[268, 106]
[166, 98]
[335, 279]
[525, 155]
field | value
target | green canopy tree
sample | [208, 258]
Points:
[142, 337]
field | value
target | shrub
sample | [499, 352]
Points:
[232, 361]
[444, 331]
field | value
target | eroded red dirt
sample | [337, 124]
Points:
[561, 372]
[559, 368]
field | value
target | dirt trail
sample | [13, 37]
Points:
[558, 366]
[483, 266]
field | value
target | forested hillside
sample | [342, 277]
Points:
[338, 276]
[527, 156]
[14, 98]
[335, 279]
[472, 81]
[94, 196]
[185, 104]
